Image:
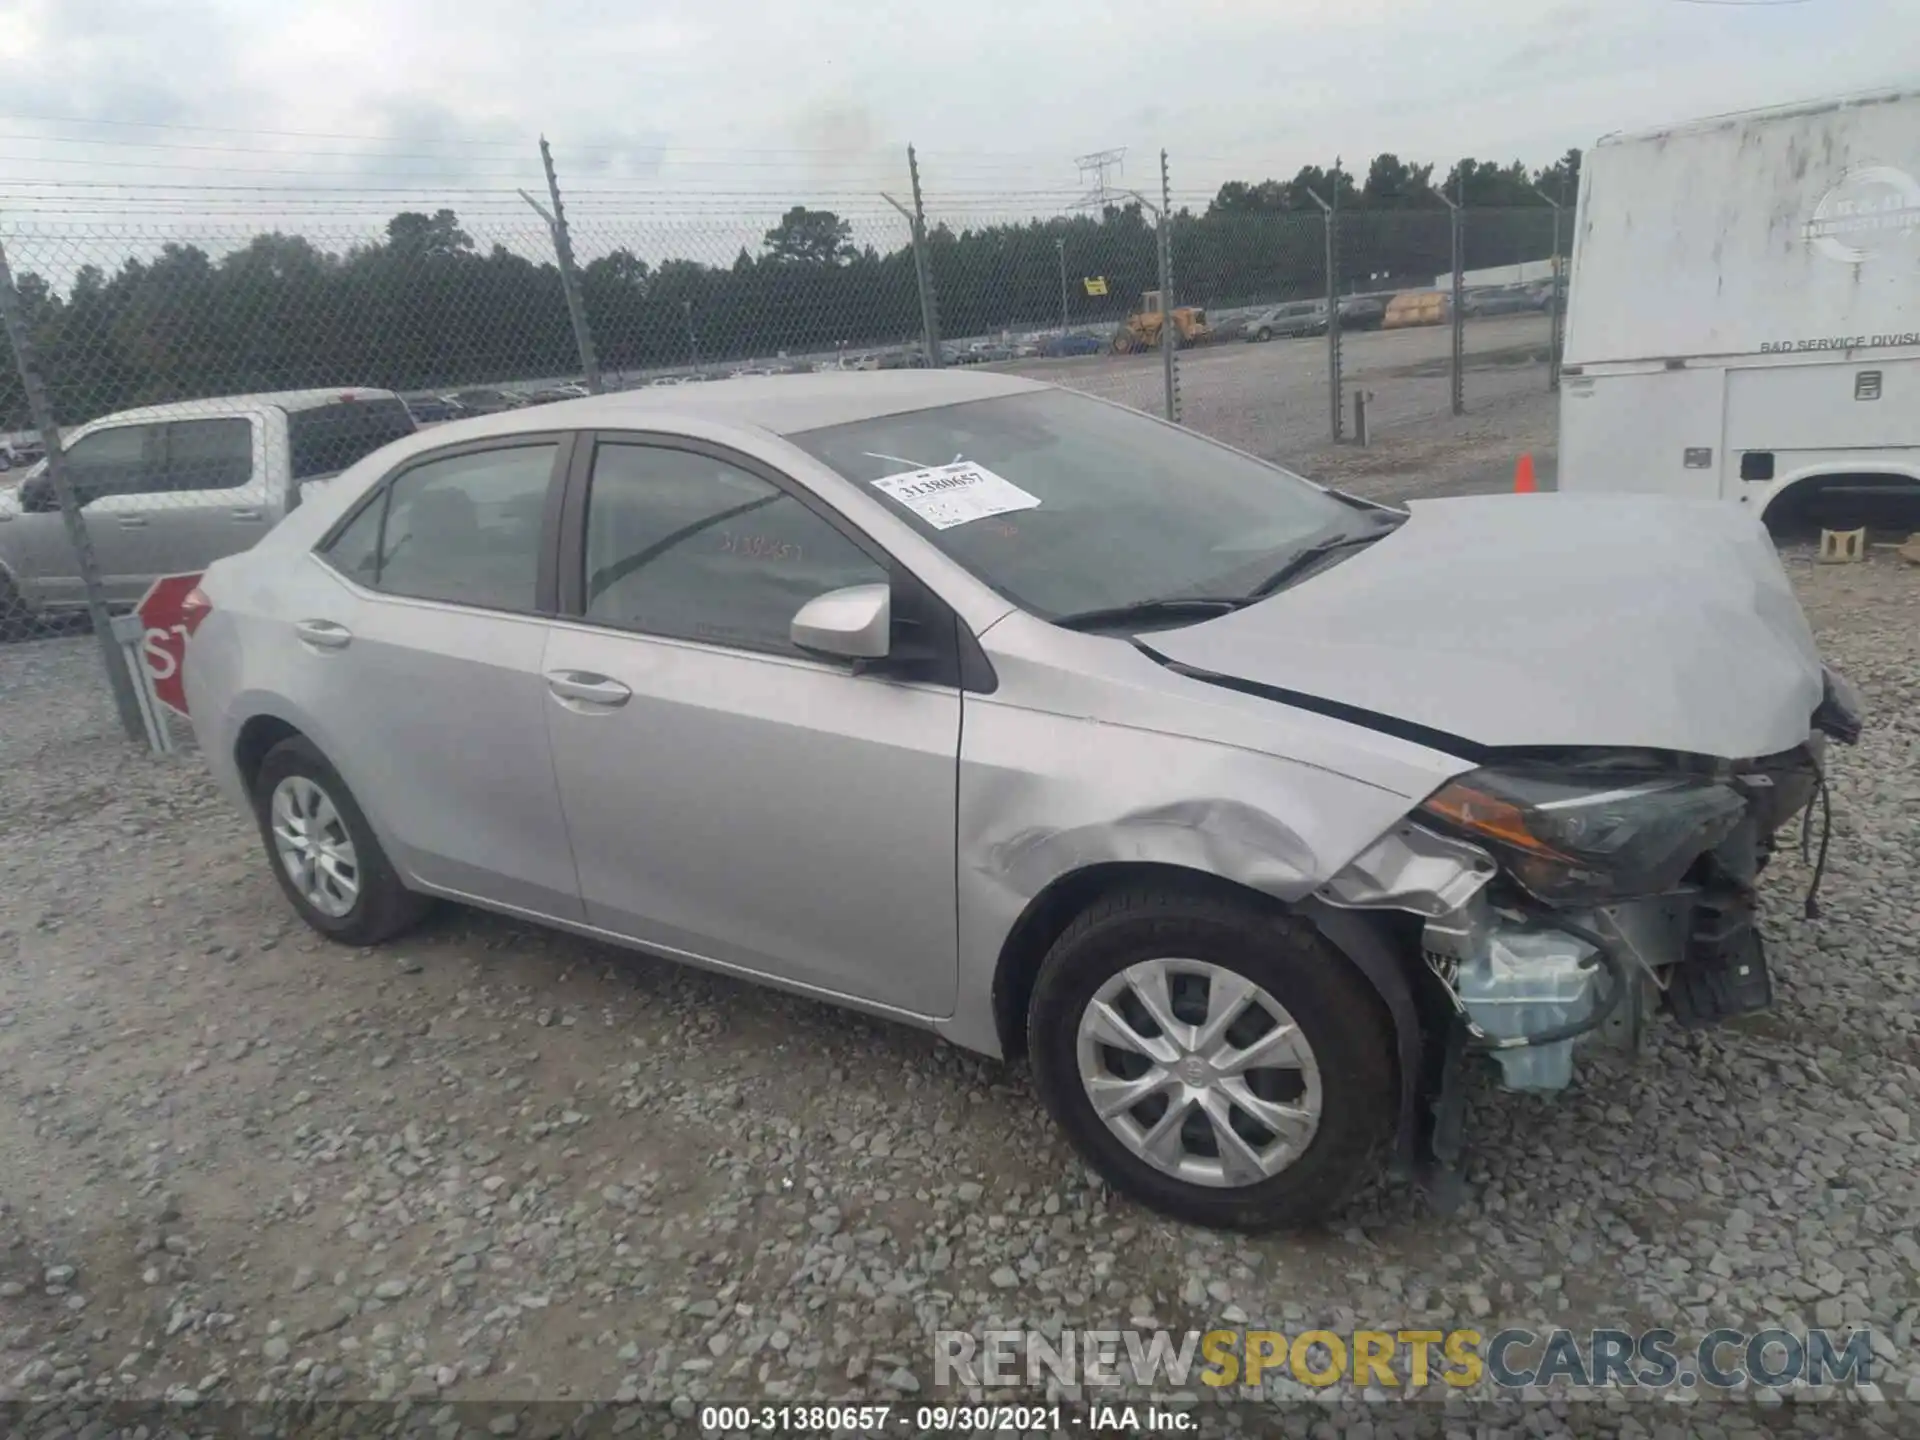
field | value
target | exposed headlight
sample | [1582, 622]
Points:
[1568, 842]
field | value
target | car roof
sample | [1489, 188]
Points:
[280, 399]
[780, 404]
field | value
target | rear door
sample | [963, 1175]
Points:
[212, 499]
[421, 669]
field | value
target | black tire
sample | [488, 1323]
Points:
[384, 908]
[1263, 335]
[1337, 1010]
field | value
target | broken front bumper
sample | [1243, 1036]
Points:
[1527, 981]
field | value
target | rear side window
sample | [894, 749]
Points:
[209, 454]
[328, 438]
[464, 529]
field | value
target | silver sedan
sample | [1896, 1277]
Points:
[1252, 813]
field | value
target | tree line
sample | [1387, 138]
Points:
[424, 307]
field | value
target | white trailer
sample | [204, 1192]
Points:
[1744, 314]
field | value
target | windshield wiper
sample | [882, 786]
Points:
[1303, 560]
[1166, 607]
[1187, 607]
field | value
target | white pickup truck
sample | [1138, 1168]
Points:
[1744, 317]
[169, 489]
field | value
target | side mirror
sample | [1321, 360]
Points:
[853, 623]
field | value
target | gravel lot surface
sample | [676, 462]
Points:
[494, 1163]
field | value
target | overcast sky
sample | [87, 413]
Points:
[815, 100]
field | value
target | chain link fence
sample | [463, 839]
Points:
[184, 372]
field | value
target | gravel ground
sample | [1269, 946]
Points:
[494, 1163]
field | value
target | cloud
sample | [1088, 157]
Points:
[747, 97]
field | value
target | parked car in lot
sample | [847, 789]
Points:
[17, 452]
[1499, 300]
[1362, 312]
[552, 393]
[486, 400]
[1062, 345]
[1250, 842]
[1295, 318]
[171, 488]
[431, 409]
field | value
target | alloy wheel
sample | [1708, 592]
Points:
[314, 846]
[1199, 1072]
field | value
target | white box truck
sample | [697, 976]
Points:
[1743, 320]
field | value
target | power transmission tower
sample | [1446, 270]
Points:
[1095, 169]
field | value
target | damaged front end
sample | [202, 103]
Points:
[1562, 899]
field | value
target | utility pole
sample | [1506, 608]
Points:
[1060, 245]
[1096, 167]
[569, 273]
[1457, 215]
[916, 219]
[1555, 309]
[1169, 332]
[1330, 212]
[693, 341]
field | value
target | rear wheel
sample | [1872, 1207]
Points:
[1218, 1061]
[324, 853]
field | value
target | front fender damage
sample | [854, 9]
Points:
[1217, 837]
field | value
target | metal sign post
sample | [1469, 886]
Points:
[130, 633]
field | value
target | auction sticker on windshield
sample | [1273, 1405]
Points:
[948, 495]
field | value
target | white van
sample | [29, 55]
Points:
[1744, 314]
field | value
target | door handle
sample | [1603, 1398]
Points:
[323, 633]
[584, 685]
[245, 514]
[133, 522]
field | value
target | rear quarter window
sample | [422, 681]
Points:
[328, 438]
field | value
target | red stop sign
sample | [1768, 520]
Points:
[164, 647]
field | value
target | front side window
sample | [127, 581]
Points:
[464, 529]
[124, 460]
[208, 455]
[688, 545]
[1129, 509]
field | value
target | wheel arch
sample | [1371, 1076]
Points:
[256, 737]
[1367, 938]
[1794, 493]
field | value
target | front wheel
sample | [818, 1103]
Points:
[324, 853]
[1214, 1059]
[1263, 336]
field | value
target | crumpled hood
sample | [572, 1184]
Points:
[1548, 619]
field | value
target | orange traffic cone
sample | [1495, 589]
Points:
[1523, 476]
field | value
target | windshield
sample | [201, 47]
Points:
[1129, 509]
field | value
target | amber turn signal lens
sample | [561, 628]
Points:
[1479, 813]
